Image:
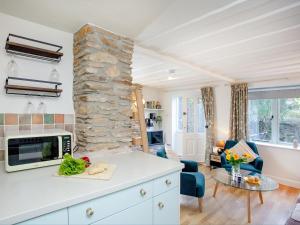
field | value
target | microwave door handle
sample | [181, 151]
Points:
[59, 147]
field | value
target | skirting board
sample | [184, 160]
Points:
[285, 181]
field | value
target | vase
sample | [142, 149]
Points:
[235, 171]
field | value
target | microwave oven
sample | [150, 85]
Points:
[32, 149]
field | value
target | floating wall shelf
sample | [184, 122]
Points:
[32, 90]
[31, 51]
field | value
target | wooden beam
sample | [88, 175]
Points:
[141, 115]
[181, 62]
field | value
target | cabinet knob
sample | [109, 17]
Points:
[143, 192]
[89, 212]
[161, 205]
[168, 182]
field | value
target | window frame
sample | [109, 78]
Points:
[275, 123]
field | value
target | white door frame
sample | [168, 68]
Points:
[189, 146]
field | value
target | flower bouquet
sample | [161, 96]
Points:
[235, 160]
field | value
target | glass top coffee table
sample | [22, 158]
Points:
[224, 177]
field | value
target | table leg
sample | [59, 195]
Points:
[261, 197]
[216, 188]
[249, 207]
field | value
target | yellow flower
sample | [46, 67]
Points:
[247, 155]
[236, 156]
[228, 156]
[227, 152]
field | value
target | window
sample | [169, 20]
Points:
[179, 113]
[201, 120]
[190, 115]
[275, 118]
[260, 120]
[289, 119]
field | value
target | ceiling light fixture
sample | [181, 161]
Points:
[172, 72]
[171, 78]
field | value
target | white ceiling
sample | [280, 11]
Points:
[126, 17]
[241, 40]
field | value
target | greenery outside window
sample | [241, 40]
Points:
[274, 120]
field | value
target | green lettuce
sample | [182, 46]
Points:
[71, 166]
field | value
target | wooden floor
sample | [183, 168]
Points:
[229, 206]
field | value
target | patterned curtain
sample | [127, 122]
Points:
[239, 111]
[209, 111]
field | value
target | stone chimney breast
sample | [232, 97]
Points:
[102, 89]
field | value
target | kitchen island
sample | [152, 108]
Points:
[143, 190]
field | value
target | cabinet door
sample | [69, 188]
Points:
[54, 218]
[166, 207]
[139, 214]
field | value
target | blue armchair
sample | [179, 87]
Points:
[255, 166]
[192, 182]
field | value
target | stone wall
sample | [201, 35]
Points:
[102, 89]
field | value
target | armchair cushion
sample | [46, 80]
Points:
[249, 167]
[192, 184]
[230, 143]
[258, 163]
[200, 183]
[188, 184]
[242, 148]
[189, 166]
[244, 166]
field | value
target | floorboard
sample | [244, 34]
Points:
[229, 206]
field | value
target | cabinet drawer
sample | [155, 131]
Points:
[57, 217]
[96, 209]
[166, 183]
[140, 214]
[166, 207]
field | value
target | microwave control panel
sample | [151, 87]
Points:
[66, 144]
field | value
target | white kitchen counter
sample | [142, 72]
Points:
[31, 193]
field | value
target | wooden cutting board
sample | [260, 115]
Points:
[106, 175]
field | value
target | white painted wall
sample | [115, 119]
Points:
[30, 68]
[281, 164]
[152, 94]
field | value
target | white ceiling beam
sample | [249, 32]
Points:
[253, 52]
[243, 41]
[182, 62]
[234, 26]
[194, 20]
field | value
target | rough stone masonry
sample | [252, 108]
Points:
[102, 89]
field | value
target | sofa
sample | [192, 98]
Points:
[192, 182]
[255, 166]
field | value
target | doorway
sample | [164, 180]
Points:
[189, 127]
